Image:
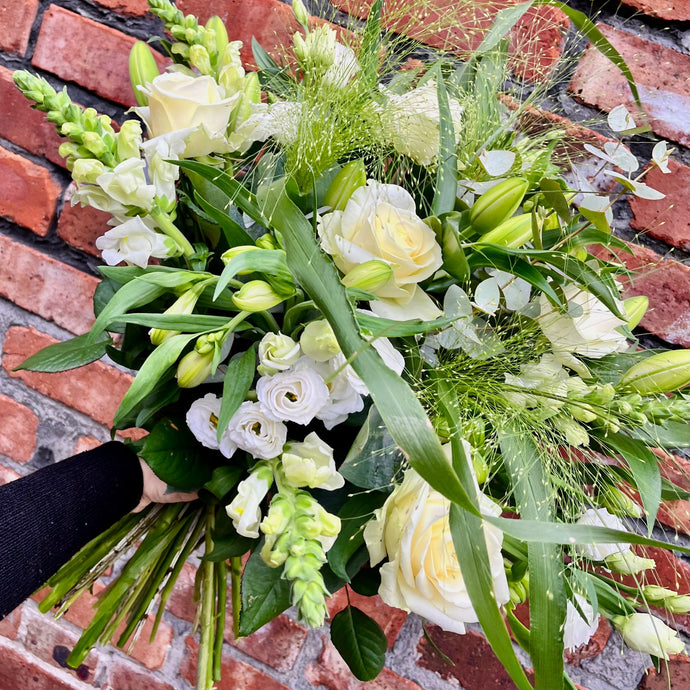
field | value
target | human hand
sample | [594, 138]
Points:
[156, 490]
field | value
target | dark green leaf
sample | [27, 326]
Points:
[188, 323]
[670, 435]
[236, 384]
[69, 354]
[360, 641]
[235, 234]
[223, 479]
[447, 173]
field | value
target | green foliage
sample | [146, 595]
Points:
[360, 641]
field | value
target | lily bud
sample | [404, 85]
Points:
[256, 295]
[454, 259]
[87, 170]
[129, 140]
[661, 373]
[352, 176]
[194, 368]
[318, 341]
[628, 563]
[645, 633]
[635, 309]
[267, 241]
[228, 255]
[251, 89]
[498, 204]
[142, 70]
[183, 305]
[512, 233]
[368, 276]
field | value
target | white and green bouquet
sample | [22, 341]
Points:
[370, 329]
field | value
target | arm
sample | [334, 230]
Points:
[46, 517]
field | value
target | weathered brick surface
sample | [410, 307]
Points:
[133, 7]
[664, 9]
[125, 676]
[29, 193]
[660, 74]
[82, 226]
[16, 19]
[81, 50]
[7, 475]
[46, 287]
[9, 625]
[18, 430]
[96, 389]
[674, 674]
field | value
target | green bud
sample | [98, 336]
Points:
[454, 259]
[266, 241]
[300, 12]
[142, 70]
[618, 502]
[183, 305]
[645, 633]
[654, 594]
[87, 170]
[368, 276]
[628, 563]
[352, 176]
[661, 373]
[228, 255]
[318, 341]
[480, 467]
[678, 604]
[512, 233]
[194, 368]
[256, 295]
[217, 30]
[498, 204]
[129, 140]
[68, 149]
[635, 309]
[518, 592]
[72, 131]
[94, 143]
[199, 58]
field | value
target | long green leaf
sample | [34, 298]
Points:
[237, 382]
[234, 233]
[191, 323]
[503, 22]
[371, 44]
[68, 354]
[269, 261]
[447, 173]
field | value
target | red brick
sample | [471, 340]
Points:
[390, 619]
[475, 664]
[332, 672]
[81, 226]
[20, 670]
[29, 193]
[96, 389]
[7, 475]
[86, 52]
[666, 283]
[678, 10]
[124, 676]
[82, 610]
[18, 430]
[46, 287]
[660, 74]
[9, 625]
[236, 675]
[134, 7]
[85, 443]
[666, 219]
[16, 19]
[677, 669]
[181, 602]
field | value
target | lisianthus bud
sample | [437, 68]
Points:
[310, 463]
[635, 309]
[87, 170]
[645, 633]
[300, 12]
[318, 341]
[498, 204]
[628, 563]
[512, 233]
[277, 352]
[368, 276]
[654, 594]
[244, 510]
[678, 604]
[142, 70]
[661, 373]
[351, 176]
[618, 502]
[256, 295]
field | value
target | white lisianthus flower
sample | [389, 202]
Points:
[133, 242]
[202, 420]
[157, 151]
[410, 121]
[390, 356]
[127, 184]
[179, 101]
[245, 508]
[292, 396]
[579, 630]
[600, 517]
[254, 431]
[422, 574]
[380, 222]
[277, 352]
[310, 463]
[646, 633]
[592, 334]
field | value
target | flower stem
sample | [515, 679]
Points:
[170, 229]
[221, 573]
[204, 671]
[235, 580]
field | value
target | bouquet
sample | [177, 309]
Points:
[374, 327]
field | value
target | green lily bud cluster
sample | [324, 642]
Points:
[294, 528]
[196, 366]
[498, 204]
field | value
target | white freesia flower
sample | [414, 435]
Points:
[202, 420]
[600, 517]
[127, 184]
[410, 121]
[579, 630]
[310, 463]
[592, 334]
[380, 222]
[422, 574]
[133, 242]
[245, 508]
[292, 396]
[254, 431]
[179, 101]
[277, 352]
[157, 151]
[646, 633]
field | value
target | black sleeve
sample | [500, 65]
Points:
[46, 517]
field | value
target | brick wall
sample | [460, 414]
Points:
[47, 279]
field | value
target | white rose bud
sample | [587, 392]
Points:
[252, 430]
[292, 396]
[645, 633]
[277, 352]
[310, 463]
[245, 508]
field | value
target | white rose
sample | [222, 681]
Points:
[202, 420]
[592, 334]
[252, 430]
[310, 463]
[600, 517]
[422, 574]
[277, 352]
[127, 184]
[292, 396]
[183, 101]
[410, 121]
[133, 242]
[245, 508]
[579, 630]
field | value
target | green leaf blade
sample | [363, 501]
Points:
[360, 641]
